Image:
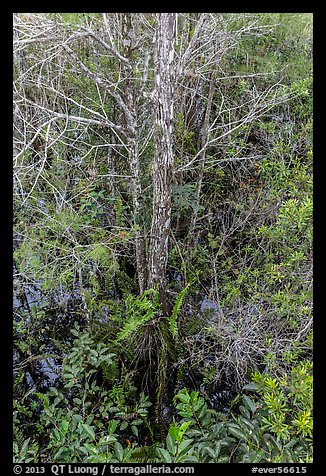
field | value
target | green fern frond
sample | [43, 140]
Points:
[133, 324]
[139, 311]
[144, 454]
[18, 436]
[18, 389]
[173, 324]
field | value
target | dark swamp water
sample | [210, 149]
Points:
[49, 318]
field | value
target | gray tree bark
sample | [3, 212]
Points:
[133, 140]
[193, 237]
[163, 157]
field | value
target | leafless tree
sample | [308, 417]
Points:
[138, 98]
[163, 160]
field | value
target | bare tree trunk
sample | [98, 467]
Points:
[141, 262]
[163, 160]
[192, 236]
[131, 102]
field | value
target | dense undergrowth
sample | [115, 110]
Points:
[100, 375]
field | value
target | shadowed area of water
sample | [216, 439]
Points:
[53, 315]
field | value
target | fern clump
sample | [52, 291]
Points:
[139, 311]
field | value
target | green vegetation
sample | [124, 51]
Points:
[222, 370]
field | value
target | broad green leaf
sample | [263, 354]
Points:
[123, 425]
[238, 433]
[184, 445]
[251, 387]
[211, 452]
[88, 430]
[184, 398]
[166, 457]
[249, 403]
[64, 426]
[56, 434]
[119, 450]
[170, 444]
[183, 428]
[59, 453]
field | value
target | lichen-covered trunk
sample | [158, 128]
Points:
[141, 263]
[163, 157]
[133, 152]
[203, 134]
